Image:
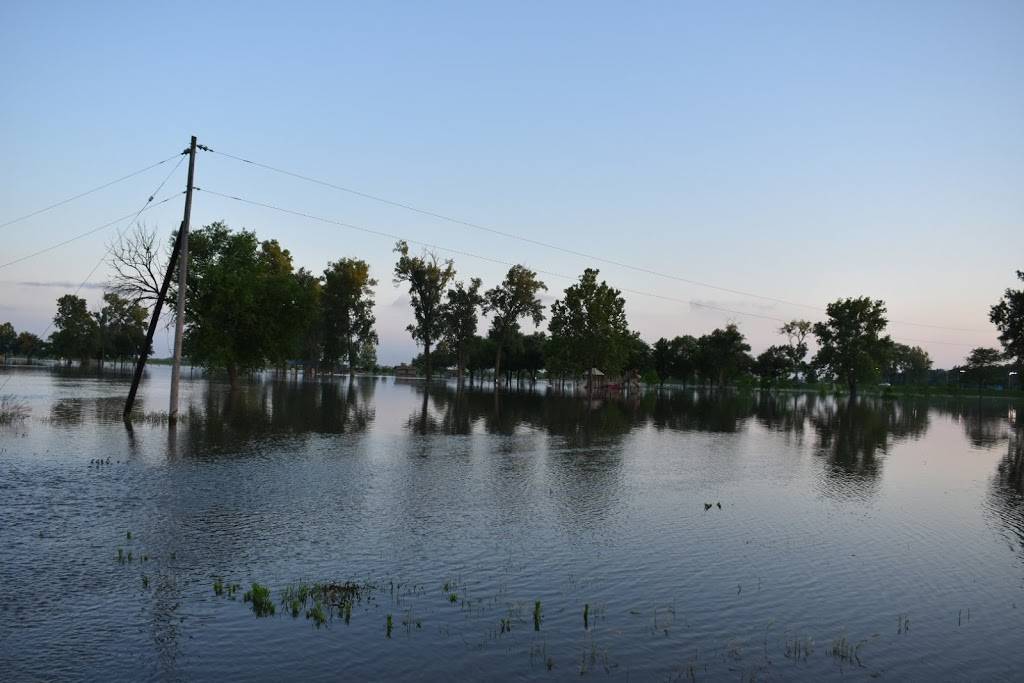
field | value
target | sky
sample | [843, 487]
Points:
[800, 151]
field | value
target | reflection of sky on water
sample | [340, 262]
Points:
[835, 516]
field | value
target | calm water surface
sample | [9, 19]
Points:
[865, 540]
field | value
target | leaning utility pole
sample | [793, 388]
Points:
[179, 323]
[140, 364]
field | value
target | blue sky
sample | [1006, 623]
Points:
[803, 151]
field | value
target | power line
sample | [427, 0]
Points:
[138, 213]
[461, 252]
[148, 204]
[548, 245]
[86, 233]
[87, 192]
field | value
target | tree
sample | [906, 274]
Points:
[239, 311]
[685, 353]
[75, 330]
[137, 265]
[852, 347]
[29, 345]
[661, 357]
[981, 359]
[7, 339]
[121, 328]
[480, 354]
[910, 362]
[460, 320]
[723, 354]
[639, 355]
[534, 354]
[796, 332]
[310, 335]
[588, 327]
[516, 297]
[427, 278]
[774, 364]
[347, 312]
[1008, 317]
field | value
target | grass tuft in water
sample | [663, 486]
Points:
[390, 625]
[316, 614]
[586, 616]
[259, 596]
[537, 615]
[218, 587]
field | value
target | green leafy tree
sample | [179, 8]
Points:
[534, 350]
[515, 298]
[774, 364]
[460, 320]
[239, 311]
[480, 352]
[120, 328]
[7, 339]
[75, 330]
[588, 327]
[347, 310]
[911, 363]
[1008, 317]
[852, 347]
[723, 355]
[639, 355]
[310, 334]
[427, 278]
[981, 360]
[29, 345]
[686, 356]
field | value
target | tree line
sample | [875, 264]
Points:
[249, 308]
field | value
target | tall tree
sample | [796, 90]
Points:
[1008, 317]
[310, 334]
[460, 320]
[661, 357]
[7, 339]
[347, 306]
[588, 326]
[852, 345]
[796, 332]
[74, 335]
[239, 311]
[427, 278]
[516, 297]
[723, 354]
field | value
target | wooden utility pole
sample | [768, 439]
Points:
[179, 324]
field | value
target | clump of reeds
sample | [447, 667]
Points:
[12, 410]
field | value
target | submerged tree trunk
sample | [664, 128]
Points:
[462, 366]
[497, 366]
[426, 359]
[233, 376]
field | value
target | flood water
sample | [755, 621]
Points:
[864, 540]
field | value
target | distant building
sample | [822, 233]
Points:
[405, 370]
